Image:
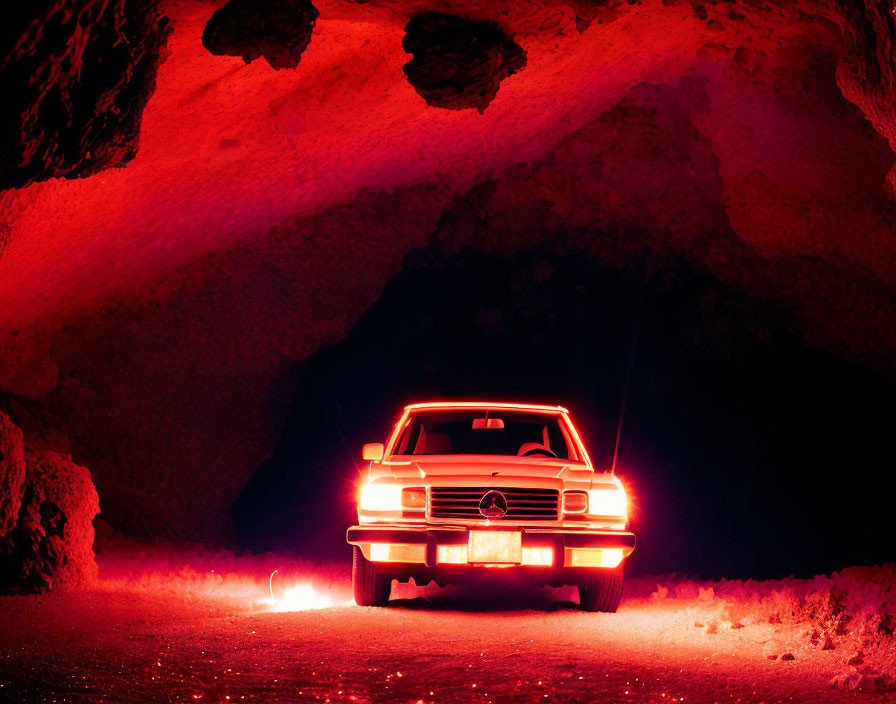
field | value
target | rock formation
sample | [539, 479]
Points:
[12, 473]
[51, 544]
[459, 63]
[75, 76]
[278, 30]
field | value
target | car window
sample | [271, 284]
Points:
[477, 432]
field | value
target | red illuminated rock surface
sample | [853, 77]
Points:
[12, 473]
[195, 634]
[51, 544]
[150, 315]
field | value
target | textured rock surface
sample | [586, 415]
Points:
[459, 63]
[12, 473]
[75, 76]
[278, 30]
[153, 314]
[52, 542]
[867, 70]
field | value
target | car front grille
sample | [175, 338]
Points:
[522, 504]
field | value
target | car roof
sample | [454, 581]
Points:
[486, 404]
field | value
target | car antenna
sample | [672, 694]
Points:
[619, 427]
[632, 353]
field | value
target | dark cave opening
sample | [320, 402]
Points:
[744, 450]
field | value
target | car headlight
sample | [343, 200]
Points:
[392, 497]
[610, 501]
[381, 497]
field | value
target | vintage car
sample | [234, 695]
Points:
[462, 488]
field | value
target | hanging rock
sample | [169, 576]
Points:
[278, 30]
[459, 63]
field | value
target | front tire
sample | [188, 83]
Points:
[370, 586]
[602, 592]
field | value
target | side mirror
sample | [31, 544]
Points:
[372, 451]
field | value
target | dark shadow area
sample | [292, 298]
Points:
[494, 591]
[746, 454]
[484, 601]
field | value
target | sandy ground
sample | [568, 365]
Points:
[145, 642]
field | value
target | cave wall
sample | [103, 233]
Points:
[152, 315]
[866, 72]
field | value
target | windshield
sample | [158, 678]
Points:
[483, 432]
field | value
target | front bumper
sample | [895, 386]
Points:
[424, 541]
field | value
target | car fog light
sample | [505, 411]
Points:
[396, 552]
[452, 554]
[590, 557]
[540, 557]
[379, 552]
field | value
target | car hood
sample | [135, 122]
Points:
[440, 469]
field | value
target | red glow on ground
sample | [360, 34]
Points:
[276, 583]
[194, 634]
[301, 596]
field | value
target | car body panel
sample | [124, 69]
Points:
[473, 475]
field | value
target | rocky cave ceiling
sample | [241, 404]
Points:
[198, 196]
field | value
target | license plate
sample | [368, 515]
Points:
[499, 546]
